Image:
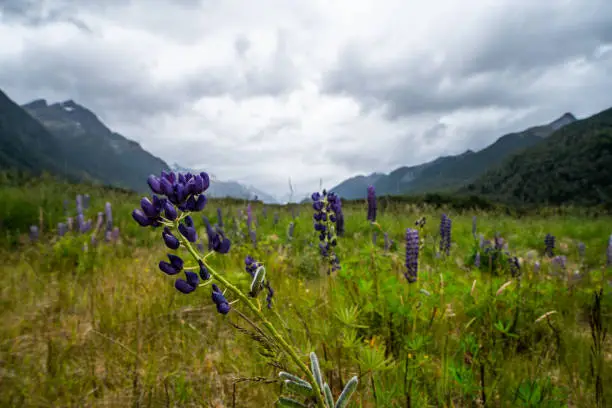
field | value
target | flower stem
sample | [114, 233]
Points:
[282, 342]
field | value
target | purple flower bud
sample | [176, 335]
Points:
[168, 268]
[170, 211]
[609, 252]
[154, 184]
[170, 240]
[115, 234]
[79, 204]
[184, 286]
[200, 203]
[205, 181]
[141, 218]
[148, 208]
[477, 260]
[223, 305]
[188, 232]
[166, 186]
[204, 274]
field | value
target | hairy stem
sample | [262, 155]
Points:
[281, 341]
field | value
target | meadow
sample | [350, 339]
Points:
[93, 322]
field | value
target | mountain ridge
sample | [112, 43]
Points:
[447, 173]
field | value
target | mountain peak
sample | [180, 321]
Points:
[36, 104]
[564, 120]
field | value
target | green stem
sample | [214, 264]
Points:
[282, 342]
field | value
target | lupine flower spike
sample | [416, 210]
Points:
[327, 207]
[412, 255]
[371, 204]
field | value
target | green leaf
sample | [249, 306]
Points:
[287, 376]
[347, 392]
[299, 388]
[329, 398]
[258, 280]
[289, 402]
[316, 369]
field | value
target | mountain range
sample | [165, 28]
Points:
[69, 140]
[566, 161]
[449, 173]
[571, 166]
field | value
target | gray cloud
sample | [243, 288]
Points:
[310, 90]
[498, 68]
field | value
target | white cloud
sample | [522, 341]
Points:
[310, 89]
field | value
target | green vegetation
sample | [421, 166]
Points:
[105, 327]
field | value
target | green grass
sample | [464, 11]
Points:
[104, 327]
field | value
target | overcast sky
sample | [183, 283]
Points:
[310, 89]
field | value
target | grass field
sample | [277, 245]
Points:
[99, 325]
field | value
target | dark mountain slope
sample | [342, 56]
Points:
[573, 165]
[93, 148]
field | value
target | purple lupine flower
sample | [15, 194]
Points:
[290, 230]
[327, 206]
[115, 234]
[223, 305]
[251, 265]
[549, 245]
[499, 242]
[474, 226]
[108, 212]
[515, 266]
[204, 274]
[108, 236]
[170, 240]
[62, 228]
[581, 249]
[477, 260]
[481, 242]
[445, 234]
[79, 204]
[33, 233]
[412, 255]
[559, 261]
[216, 238]
[189, 284]
[99, 221]
[173, 267]
[253, 236]
[80, 222]
[371, 204]
[93, 240]
[219, 217]
[187, 229]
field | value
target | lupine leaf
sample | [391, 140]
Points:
[316, 370]
[288, 376]
[299, 388]
[289, 402]
[258, 280]
[348, 390]
[329, 398]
